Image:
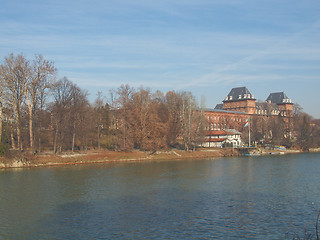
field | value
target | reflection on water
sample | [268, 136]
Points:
[230, 198]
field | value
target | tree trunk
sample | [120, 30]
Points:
[17, 109]
[0, 122]
[31, 128]
[189, 123]
[98, 137]
[55, 140]
[73, 141]
[13, 145]
[19, 137]
[73, 136]
[39, 144]
[39, 137]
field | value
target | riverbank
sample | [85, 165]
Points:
[103, 156]
[25, 160]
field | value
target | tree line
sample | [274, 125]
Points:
[39, 112]
[300, 131]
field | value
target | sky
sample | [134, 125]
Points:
[206, 47]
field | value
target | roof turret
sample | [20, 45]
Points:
[278, 98]
[240, 93]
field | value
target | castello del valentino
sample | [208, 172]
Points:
[227, 120]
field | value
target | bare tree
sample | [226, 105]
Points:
[149, 130]
[78, 115]
[120, 110]
[304, 131]
[42, 72]
[14, 73]
[101, 117]
[70, 116]
[192, 120]
[60, 109]
[174, 103]
[1, 103]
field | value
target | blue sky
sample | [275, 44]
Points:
[203, 46]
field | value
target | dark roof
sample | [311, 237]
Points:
[219, 106]
[278, 98]
[222, 132]
[239, 93]
[215, 139]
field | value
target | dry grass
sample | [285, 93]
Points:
[101, 156]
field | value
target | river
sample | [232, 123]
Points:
[269, 197]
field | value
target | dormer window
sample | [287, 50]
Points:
[230, 98]
[239, 97]
[244, 95]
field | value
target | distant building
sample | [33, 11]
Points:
[239, 105]
[221, 138]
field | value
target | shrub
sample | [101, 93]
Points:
[4, 149]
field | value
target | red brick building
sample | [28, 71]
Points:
[241, 105]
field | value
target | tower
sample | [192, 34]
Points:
[285, 104]
[240, 99]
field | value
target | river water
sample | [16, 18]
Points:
[271, 197]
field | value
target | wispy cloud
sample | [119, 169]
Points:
[183, 44]
[282, 48]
